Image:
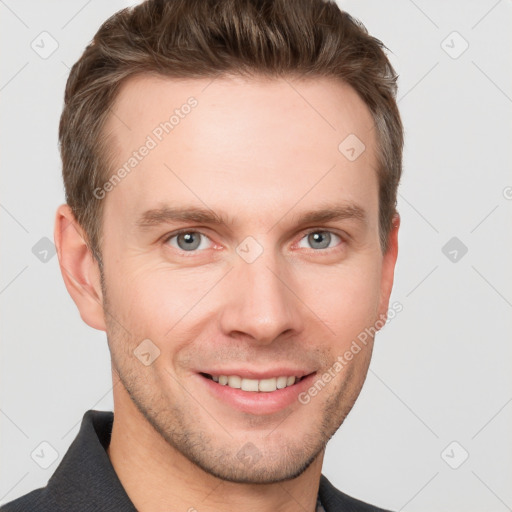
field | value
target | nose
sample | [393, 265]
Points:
[260, 301]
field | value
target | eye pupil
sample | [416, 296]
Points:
[190, 238]
[321, 237]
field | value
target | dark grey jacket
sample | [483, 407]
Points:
[85, 480]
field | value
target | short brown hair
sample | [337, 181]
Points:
[211, 38]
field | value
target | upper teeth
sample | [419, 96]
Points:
[234, 381]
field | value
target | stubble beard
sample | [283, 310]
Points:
[183, 433]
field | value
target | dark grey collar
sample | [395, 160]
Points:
[85, 480]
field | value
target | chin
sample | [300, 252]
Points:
[280, 468]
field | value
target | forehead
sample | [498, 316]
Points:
[294, 106]
[253, 144]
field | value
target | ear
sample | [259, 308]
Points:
[388, 267]
[79, 268]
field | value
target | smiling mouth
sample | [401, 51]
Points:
[255, 385]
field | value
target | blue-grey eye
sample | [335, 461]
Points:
[187, 240]
[320, 239]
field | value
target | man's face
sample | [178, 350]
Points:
[258, 297]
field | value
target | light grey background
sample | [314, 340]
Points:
[441, 370]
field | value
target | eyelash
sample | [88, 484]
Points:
[328, 250]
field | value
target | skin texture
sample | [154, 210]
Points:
[258, 152]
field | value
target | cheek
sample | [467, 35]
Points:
[156, 301]
[344, 298]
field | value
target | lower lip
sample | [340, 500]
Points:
[257, 402]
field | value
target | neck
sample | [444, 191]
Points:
[157, 477]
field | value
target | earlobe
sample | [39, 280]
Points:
[388, 267]
[79, 268]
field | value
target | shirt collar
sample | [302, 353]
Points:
[86, 475]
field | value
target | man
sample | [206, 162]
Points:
[231, 170]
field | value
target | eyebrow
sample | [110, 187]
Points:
[168, 214]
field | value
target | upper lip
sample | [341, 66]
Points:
[259, 374]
